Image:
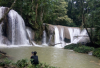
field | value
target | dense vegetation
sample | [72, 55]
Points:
[84, 49]
[96, 52]
[24, 63]
[85, 13]
[79, 48]
[80, 13]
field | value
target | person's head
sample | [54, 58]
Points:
[34, 53]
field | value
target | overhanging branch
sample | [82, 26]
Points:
[8, 11]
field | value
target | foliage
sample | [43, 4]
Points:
[23, 63]
[92, 20]
[83, 49]
[96, 52]
[37, 12]
[6, 62]
[79, 48]
[71, 46]
[61, 13]
[41, 65]
[75, 8]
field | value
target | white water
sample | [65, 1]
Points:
[1, 14]
[12, 18]
[59, 38]
[18, 34]
[76, 34]
[81, 36]
[0, 26]
[44, 38]
[62, 38]
[50, 38]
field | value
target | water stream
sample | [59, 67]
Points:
[44, 40]
[62, 58]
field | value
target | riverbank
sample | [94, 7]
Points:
[24, 63]
[84, 49]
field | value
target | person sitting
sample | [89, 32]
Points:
[34, 58]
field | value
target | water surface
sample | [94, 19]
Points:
[54, 56]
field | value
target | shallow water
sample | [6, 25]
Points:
[54, 56]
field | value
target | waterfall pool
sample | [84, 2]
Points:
[62, 58]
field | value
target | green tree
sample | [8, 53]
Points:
[92, 20]
[61, 13]
[34, 12]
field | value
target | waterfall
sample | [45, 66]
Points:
[0, 26]
[76, 34]
[17, 31]
[57, 38]
[44, 38]
[1, 14]
[50, 38]
[62, 37]
[80, 36]
[0, 33]
[12, 19]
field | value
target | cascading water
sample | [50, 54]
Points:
[12, 18]
[71, 34]
[75, 34]
[0, 26]
[57, 38]
[1, 14]
[0, 33]
[44, 38]
[17, 27]
[50, 38]
[80, 36]
[16, 31]
[62, 38]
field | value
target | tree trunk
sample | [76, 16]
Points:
[90, 36]
[41, 15]
[29, 39]
[8, 11]
[36, 12]
[83, 22]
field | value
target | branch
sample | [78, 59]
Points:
[8, 11]
[29, 39]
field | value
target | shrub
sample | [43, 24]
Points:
[22, 63]
[96, 52]
[72, 46]
[6, 62]
[83, 49]
[41, 65]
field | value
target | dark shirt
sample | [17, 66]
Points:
[34, 60]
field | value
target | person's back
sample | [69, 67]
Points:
[34, 59]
